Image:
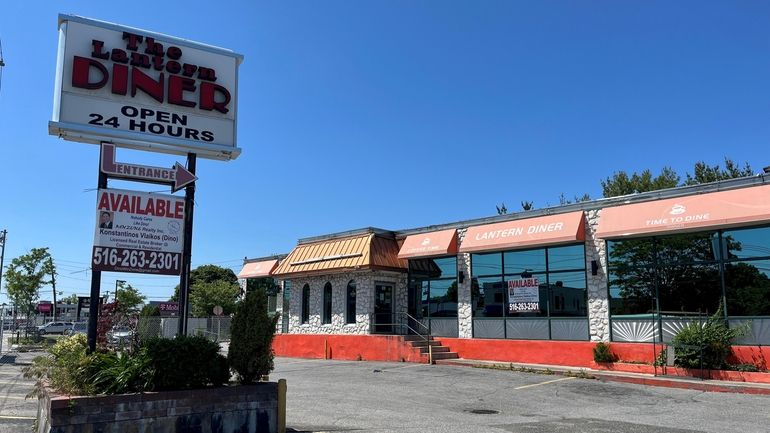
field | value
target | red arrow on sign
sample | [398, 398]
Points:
[177, 176]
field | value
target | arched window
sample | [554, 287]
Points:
[305, 303]
[350, 302]
[327, 313]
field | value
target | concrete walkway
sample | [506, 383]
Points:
[614, 376]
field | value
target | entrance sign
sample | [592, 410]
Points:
[144, 90]
[138, 232]
[524, 294]
[178, 177]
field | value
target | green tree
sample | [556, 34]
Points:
[620, 183]
[704, 173]
[207, 274]
[129, 298]
[204, 296]
[25, 276]
[252, 330]
[150, 311]
[71, 299]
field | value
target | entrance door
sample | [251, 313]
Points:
[383, 309]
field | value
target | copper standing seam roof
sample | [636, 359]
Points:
[365, 251]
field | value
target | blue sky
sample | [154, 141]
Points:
[396, 114]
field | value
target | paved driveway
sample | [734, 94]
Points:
[397, 397]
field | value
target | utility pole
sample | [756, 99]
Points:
[3, 234]
[53, 283]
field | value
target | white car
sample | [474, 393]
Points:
[54, 327]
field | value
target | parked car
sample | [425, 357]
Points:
[77, 328]
[54, 327]
[120, 335]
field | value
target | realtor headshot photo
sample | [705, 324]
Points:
[105, 220]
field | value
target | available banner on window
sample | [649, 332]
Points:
[523, 295]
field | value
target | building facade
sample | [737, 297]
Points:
[631, 269]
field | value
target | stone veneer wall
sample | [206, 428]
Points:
[598, 304]
[365, 285]
[464, 295]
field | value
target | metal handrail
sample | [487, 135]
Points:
[404, 324]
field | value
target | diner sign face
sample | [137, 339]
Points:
[138, 232]
[144, 90]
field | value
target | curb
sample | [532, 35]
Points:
[632, 378]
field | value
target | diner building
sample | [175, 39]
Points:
[528, 286]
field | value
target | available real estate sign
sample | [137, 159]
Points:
[144, 90]
[138, 232]
[524, 294]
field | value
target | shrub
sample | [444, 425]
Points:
[186, 363]
[602, 353]
[707, 345]
[251, 338]
[65, 367]
[120, 373]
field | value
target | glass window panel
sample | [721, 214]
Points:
[350, 309]
[424, 301]
[305, 303]
[327, 308]
[517, 262]
[689, 288]
[564, 258]
[488, 297]
[632, 292]
[746, 243]
[568, 294]
[630, 252]
[747, 286]
[424, 269]
[487, 264]
[448, 266]
[688, 248]
[443, 298]
[541, 297]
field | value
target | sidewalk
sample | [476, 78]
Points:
[612, 376]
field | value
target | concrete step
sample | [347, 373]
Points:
[442, 355]
[423, 343]
[436, 349]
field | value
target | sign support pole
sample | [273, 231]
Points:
[184, 278]
[96, 282]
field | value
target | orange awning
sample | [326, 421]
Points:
[547, 230]
[440, 243]
[716, 209]
[258, 269]
[364, 251]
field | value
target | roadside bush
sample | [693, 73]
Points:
[186, 363]
[602, 353]
[707, 346]
[251, 338]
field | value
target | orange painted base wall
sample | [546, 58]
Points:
[577, 353]
[345, 347]
[566, 353]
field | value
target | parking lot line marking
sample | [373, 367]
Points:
[17, 417]
[11, 397]
[544, 383]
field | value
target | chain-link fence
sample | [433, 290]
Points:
[213, 328]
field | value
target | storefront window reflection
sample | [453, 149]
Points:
[680, 277]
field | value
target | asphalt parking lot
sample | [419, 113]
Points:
[338, 396]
